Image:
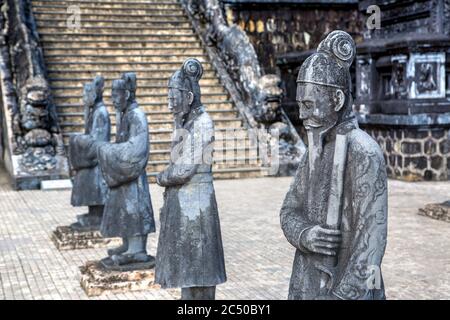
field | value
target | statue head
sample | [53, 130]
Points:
[93, 91]
[89, 95]
[184, 87]
[119, 94]
[324, 83]
[131, 85]
[34, 104]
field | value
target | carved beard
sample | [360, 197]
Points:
[316, 138]
[181, 116]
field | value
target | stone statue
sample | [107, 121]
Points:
[190, 252]
[89, 187]
[38, 136]
[128, 210]
[335, 213]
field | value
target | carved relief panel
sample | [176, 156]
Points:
[427, 74]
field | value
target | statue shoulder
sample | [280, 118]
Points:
[360, 142]
[138, 115]
[365, 156]
[102, 111]
[205, 120]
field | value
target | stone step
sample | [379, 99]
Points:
[156, 124]
[49, 44]
[122, 16]
[116, 37]
[192, 51]
[105, 5]
[115, 74]
[130, 31]
[221, 174]
[106, 2]
[122, 65]
[142, 97]
[122, 58]
[252, 165]
[220, 154]
[143, 82]
[221, 142]
[116, 23]
[210, 105]
[93, 10]
[235, 173]
[219, 158]
[165, 123]
[216, 115]
[148, 90]
[151, 38]
[166, 134]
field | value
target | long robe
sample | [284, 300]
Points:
[190, 252]
[128, 210]
[363, 226]
[89, 187]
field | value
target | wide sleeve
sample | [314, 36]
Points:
[101, 126]
[293, 218]
[82, 152]
[360, 277]
[196, 151]
[125, 161]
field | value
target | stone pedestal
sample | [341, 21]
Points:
[438, 211]
[65, 238]
[96, 279]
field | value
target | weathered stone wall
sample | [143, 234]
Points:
[415, 154]
[33, 148]
[402, 86]
[278, 28]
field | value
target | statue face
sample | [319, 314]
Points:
[89, 96]
[319, 105]
[119, 98]
[178, 102]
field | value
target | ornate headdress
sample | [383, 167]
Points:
[330, 65]
[99, 83]
[130, 83]
[187, 78]
[119, 84]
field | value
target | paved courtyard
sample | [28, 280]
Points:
[258, 258]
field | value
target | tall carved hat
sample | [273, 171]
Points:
[99, 83]
[330, 65]
[188, 77]
[130, 81]
[119, 84]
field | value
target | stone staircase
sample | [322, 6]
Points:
[152, 38]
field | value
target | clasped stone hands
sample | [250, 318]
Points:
[321, 240]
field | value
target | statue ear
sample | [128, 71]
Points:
[339, 100]
[190, 97]
[128, 94]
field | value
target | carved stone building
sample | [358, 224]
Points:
[403, 87]
[401, 75]
[278, 27]
[47, 54]
[285, 32]
[32, 147]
